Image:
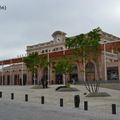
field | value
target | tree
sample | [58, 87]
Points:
[43, 65]
[34, 62]
[63, 66]
[86, 47]
[117, 49]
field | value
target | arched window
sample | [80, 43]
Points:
[90, 71]
[74, 74]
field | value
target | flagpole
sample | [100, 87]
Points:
[22, 70]
[2, 73]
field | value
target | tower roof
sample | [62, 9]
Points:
[58, 32]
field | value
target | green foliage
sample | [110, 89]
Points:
[63, 66]
[33, 61]
[85, 45]
[117, 48]
[43, 61]
[68, 85]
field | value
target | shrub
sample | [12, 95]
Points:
[68, 85]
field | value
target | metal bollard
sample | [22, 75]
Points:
[12, 96]
[0, 94]
[42, 100]
[114, 109]
[26, 97]
[61, 102]
[85, 105]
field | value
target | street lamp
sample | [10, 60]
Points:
[2, 73]
[48, 70]
[105, 66]
[22, 69]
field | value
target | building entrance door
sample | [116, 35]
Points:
[24, 79]
[8, 80]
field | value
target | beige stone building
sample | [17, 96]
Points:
[57, 44]
[17, 73]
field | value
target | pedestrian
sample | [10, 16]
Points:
[46, 83]
[43, 82]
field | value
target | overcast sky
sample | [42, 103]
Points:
[27, 22]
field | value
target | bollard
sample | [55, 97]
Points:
[26, 97]
[0, 94]
[85, 105]
[76, 101]
[42, 100]
[12, 96]
[114, 109]
[61, 102]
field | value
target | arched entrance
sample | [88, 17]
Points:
[45, 75]
[8, 79]
[3, 79]
[15, 79]
[90, 71]
[74, 74]
[34, 79]
[24, 79]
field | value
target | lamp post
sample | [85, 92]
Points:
[22, 69]
[34, 75]
[48, 71]
[11, 72]
[2, 73]
[105, 66]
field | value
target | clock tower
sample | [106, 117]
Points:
[58, 37]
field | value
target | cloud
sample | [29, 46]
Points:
[27, 22]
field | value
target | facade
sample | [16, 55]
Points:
[57, 44]
[16, 73]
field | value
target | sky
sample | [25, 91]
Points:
[29, 22]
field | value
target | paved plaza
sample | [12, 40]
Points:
[17, 109]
